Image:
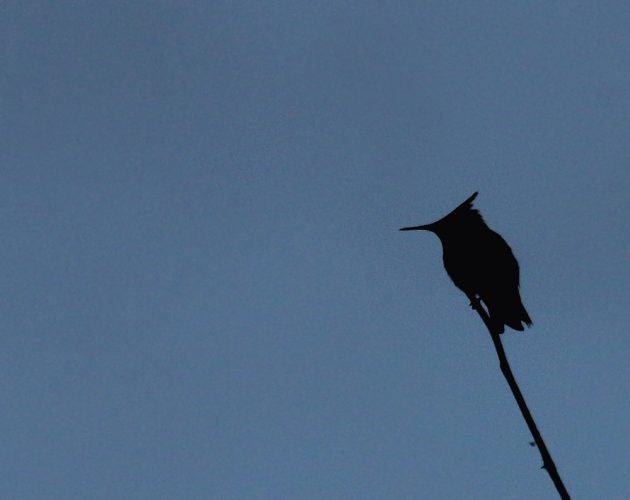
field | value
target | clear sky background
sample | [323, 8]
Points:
[204, 291]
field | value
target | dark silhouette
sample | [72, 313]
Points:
[481, 264]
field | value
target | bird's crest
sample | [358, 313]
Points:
[465, 213]
[463, 216]
[468, 204]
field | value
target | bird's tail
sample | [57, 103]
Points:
[498, 326]
[516, 321]
[508, 310]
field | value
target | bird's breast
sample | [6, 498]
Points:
[464, 265]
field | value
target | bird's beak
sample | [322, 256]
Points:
[426, 227]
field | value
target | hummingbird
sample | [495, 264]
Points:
[481, 264]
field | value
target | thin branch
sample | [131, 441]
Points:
[548, 463]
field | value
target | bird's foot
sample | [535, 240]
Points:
[475, 302]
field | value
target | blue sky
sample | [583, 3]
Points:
[205, 294]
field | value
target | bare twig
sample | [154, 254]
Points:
[548, 463]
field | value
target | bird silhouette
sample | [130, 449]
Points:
[481, 264]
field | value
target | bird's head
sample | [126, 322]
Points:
[461, 214]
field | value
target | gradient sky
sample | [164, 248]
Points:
[205, 295]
